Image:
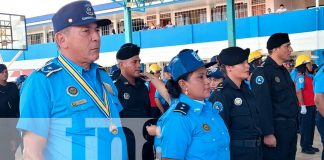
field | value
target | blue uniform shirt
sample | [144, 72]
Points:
[55, 107]
[300, 80]
[159, 96]
[293, 74]
[319, 81]
[198, 134]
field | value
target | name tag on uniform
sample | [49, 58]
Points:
[79, 102]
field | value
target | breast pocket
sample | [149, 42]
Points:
[240, 117]
[280, 88]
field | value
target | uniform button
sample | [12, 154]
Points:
[214, 139]
[223, 133]
[213, 119]
[226, 148]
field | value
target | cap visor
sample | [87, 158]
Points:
[207, 65]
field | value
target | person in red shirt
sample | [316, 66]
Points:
[155, 110]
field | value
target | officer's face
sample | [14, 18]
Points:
[82, 43]
[284, 51]
[4, 75]
[167, 75]
[309, 66]
[240, 71]
[131, 67]
[197, 85]
[214, 82]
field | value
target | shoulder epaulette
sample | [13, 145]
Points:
[103, 68]
[220, 85]
[262, 65]
[49, 68]
[182, 108]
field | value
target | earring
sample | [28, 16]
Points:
[186, 92]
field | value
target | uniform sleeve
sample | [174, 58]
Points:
[261, 90]
[300, 82]
[35, 105]
[176, 137]
[221, 101]
[319, 81]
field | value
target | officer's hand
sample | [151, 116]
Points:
[146, 76]
[270, 140]
[153, 130]
[303, 109]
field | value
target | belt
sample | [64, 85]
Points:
[285, 119]
[246, 143]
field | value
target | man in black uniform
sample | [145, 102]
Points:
[9, 112]
[132, 91]
[274, 90]
[240, 110]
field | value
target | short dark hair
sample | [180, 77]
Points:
[173, 86]
[302, 68]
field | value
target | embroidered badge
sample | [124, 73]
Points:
[218, 106]
[205, 127]
[301, 80]
[238, 101]
[259, 80]
[72, 91]
[79, 102]
[126, 96]
[109, 88]
[277, 79]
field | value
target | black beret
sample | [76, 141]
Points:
[233, 55]
[276, 40]
[2, 67]
[127, 51]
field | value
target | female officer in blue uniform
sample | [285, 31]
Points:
[192, 128]
[240, 111]
[319, 101]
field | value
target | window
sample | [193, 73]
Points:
[191, 17]
[106, 30]
[35, 38]
[258, 7]
[151, 20]
[219, 12]
[164, 19]
[137, 25]
[50, 36]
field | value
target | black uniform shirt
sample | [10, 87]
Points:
[240, 111]
[9, 101]
[135, 99]
[275, 91]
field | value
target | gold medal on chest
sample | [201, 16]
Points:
[113, 128]
[206, 127]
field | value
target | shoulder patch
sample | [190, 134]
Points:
[259, 80]
[182, 108]
[49, 68]
[218, 106]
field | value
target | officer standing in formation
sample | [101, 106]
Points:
[9, 112]
[305, 95]
[69, 107]
[255, 59]
[132, 91]
[319, 101]
[275, 92]
[240, 110]
[191, 128]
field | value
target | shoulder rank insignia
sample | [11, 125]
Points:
[49, 68]
[182, 108]
[220, 85]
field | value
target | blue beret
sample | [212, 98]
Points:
[2, 67]
[215, 74]
[127, 51]
[78, 13]
[276, 40]
[214, 59]
[185, 62]
[233, 55]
